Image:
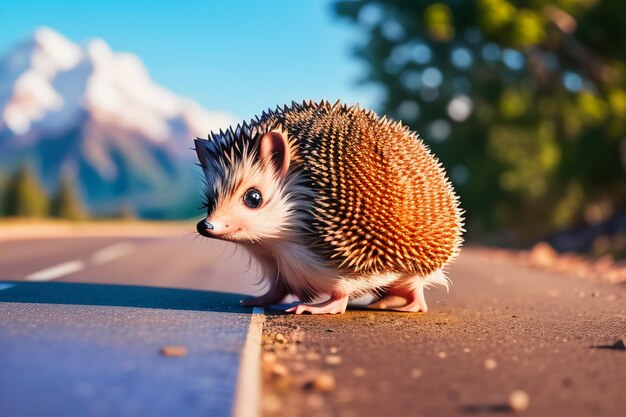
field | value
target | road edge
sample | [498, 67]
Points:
[248, 394]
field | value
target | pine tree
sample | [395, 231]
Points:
[3, 187]
[66, 203]
[24, 196]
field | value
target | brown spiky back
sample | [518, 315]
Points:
[383, 203]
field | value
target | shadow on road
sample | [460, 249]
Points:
[486, 408]
[121, 296]
[618, 345]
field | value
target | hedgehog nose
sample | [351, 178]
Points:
[203, 226]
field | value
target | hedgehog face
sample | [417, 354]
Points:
[246, 196]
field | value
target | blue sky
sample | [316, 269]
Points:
[237, 56]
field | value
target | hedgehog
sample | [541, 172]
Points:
[335, 203]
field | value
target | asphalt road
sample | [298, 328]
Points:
[72, 349]
[502, 327]
[178, 261]
[85, 360]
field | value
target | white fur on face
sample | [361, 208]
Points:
[268, 221]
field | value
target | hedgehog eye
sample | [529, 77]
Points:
[252, 198]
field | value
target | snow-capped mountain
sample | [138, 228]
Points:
[86, 111]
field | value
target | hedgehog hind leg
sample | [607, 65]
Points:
[337, 304]
[407, 294]
[402, 297]
[415, 300]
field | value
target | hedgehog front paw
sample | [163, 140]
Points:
[336, 305]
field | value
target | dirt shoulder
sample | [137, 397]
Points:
[19, 229]
[507, 338]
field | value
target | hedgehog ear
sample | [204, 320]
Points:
[274, 150]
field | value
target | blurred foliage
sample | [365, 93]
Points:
[24, 196]
[3, 186]
[523, 101]
[126, 212]
[67, 204]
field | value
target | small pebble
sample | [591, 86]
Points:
[442, 355]
[359, 372]
[269, 357]
[333, 350]
[518, 401]
[173, 351]
[312, 356]
[416, 373]
[279, 338]
[324, 383]
[279, 370]
[330, 330]
[595, 294]
[333, 359]
[490, 364]
[466, 350]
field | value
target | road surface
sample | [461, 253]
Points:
[71, 349]
[502, 327]
[179, 261]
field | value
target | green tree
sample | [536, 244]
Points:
[523, 101]
[66, 203]
[3, 185]
[127, 212]
[24, 196]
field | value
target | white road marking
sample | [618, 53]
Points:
[56, 271]
[5, 286]
[99, 257]
[109, 253]
[247, 397]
